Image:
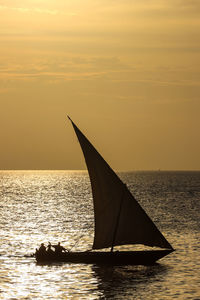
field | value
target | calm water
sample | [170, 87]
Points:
[55, 206]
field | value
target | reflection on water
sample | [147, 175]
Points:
[113, 281]
[48, 206]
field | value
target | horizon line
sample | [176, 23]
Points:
[85, 170]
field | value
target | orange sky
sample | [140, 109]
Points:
[126, 71]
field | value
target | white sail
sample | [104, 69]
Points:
[119, 219]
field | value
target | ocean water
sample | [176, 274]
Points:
[43, 206]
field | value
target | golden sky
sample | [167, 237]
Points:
[126, 71]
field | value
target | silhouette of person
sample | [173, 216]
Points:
[49, 250]
[59, 248]
[42, 248]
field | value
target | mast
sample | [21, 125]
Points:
[117, 223]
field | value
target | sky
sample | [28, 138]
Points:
[126, 71]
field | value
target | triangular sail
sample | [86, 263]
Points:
[119, 219]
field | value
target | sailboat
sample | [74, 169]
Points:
[119, 219]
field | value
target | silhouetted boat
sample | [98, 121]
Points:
[119, 219]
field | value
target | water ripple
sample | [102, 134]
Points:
[48, 206]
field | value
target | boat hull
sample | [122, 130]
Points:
[105, 258]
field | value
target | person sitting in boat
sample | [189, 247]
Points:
[49, 249]
[42, 248]
[59, 248]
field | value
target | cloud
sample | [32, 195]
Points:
[102, 68]
[36, 10]
[49, 71]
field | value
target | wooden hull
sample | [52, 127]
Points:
[105, 258]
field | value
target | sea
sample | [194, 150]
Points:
[56, 206]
